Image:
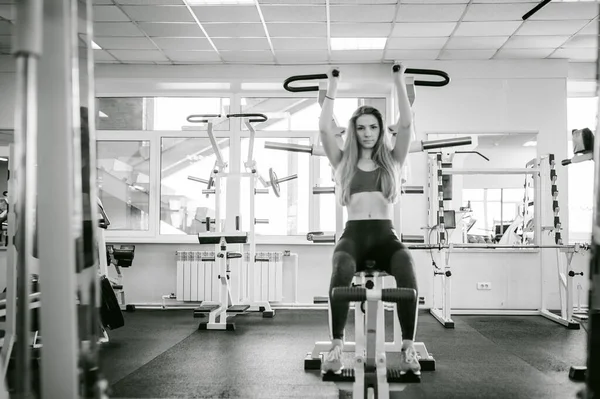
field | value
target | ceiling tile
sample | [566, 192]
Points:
[280, 29]
[291, 44]
[302, 56]
[467, 54]
[197, 56]
[533, 2]
[109, 14]
[294, 13]
[497, 12]
[582, 41]
[566, 10]
[430, 12]
[242, 44]
[101, 55]
[296, 2]
[116, 29]
[138, 55]
[124, 43]
[505, 28]
[435, 1]
[363, 1]
[241, 13]
[101, 2]
[551, 28]
[416, 43]
[411, 54]
[6, 28]
[418, 29]
[147, 2]
[543, 42]
[159, 13]
[171, 29]
[576, 54]
[356, 55]
[183, 43]
[476, 43]
[591, 28]
[234, 30]
[362, 13]
[511, 53]
[247, 56]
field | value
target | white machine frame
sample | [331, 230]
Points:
[540, 169]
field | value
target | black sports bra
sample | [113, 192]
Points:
[365, 181]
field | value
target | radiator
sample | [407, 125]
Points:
[197, 277]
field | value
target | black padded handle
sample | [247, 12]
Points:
[194, 118]
[259, 117]
[401, 296]
[298, 78]
[349, 294]
[430, 72]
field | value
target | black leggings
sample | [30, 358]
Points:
[373, 240]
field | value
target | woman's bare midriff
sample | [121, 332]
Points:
[369, 205]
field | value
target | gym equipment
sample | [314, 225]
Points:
[366, 321]
[227, 235]
[543, 174]
[371, 377]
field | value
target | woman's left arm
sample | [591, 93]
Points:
[404, 126]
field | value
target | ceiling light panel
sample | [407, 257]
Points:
[159, 13]
[362, 13]
[430, 12]
[244, 13]
[310, 13]
[109, 14]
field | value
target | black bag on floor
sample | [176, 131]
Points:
[110, 311]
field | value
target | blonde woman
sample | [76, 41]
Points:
[367, 172]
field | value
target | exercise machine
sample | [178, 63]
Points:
[225, 236]
[371, 377]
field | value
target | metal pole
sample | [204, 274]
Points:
[57, 205]
[27, 50]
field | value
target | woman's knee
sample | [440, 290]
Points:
[344, 267]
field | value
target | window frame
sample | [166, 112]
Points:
[235, 134]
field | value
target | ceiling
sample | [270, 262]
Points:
[298, 31]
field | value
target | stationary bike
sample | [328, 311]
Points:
[370, 377]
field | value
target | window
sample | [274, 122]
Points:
[302, 114]
[157, 113]
[124, 183]
[581, 113]
[183, 207]
[289, 213]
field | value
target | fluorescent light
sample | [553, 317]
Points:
[262, 86]
[530, 144]
[95, 46]
[219, 2]
[358, 43]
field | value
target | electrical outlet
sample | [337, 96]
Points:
[484, 286]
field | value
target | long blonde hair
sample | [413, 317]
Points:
[382, 156]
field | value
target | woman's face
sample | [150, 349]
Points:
[367, 130]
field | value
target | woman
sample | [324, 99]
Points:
[367, 174]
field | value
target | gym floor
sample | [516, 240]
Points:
[161, 354]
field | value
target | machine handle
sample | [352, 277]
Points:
[259, 117]
[297, 78]
[401, 296]
[430, 72]
[194, 118]
[445, 143]
[349, 294]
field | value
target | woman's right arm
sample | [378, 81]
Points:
[330, 145]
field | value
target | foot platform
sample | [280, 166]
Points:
[393, 376]
[310, 363]
[237, 308]
[203, 310]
